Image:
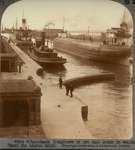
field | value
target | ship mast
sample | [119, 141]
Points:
[63, 23]
[16, 24]
[23, 14]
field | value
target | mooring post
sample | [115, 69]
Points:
[84, 111]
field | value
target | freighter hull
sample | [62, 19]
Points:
[94, 51]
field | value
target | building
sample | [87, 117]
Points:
[53, 33]
[118, 36]
[19, 103]
[8, 62]
[62, 35]
[8, 58]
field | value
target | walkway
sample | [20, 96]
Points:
[61, 114]
[31, 65]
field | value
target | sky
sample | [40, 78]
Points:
[73, 14]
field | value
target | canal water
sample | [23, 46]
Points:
[109, 103]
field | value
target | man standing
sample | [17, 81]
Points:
[20, 66]
[60, 82]
[67, 89]
[71, 90]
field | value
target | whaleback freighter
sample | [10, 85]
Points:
[114, 47]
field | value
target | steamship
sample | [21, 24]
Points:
[44, 54]
[22, 36]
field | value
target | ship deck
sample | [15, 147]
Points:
[95, 45]
[47, 60]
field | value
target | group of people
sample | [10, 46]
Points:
[69, 87]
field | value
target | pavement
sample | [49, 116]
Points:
[61, 114]
[31, 66]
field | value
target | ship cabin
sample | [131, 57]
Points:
[23, 39]
[23, 36]
[118, 36]
[23, 33]
[44, 50]
[45, 53]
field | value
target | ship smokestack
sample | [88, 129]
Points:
[24, 24]
[43, 35]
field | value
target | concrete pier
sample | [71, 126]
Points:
[20, 107]
[60, 114]
[31, 65]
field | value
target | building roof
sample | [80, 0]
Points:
[18, 86]
[54, 30]
[7, 55]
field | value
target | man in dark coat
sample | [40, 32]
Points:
[67, 89]
[60, 82]
[71, 88]
[20, 66]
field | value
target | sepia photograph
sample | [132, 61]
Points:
[66, 69]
